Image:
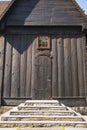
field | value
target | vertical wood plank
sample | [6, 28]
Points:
[60, 67]
[84, 65]
[67, 67]
[23, 61]
[8, 66]
[74, 67]
[80, 66]
[2, 44]
[15, 67]
[34, 79]
[54, 68]
[29, 66]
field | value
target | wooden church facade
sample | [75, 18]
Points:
[42, 52]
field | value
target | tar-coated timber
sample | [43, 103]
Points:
[74, 67]
[8, 67]
[80, 65]
[2, 45]
[29, 66]
[15, 67]
[60, 52]
[54, 67]
[67, 67]
[23, 58]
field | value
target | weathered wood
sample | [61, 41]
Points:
[2, 43]
[74, 67]
[23, 60]
[84, 65]
[54, 67]
[34, 81]
[15, 67]
[60, 48]
[80, 66]
[43, 77]
[29, 66]
[8, 67]
[58, 30]
[67, 67]
[39, 12]
[13, 101]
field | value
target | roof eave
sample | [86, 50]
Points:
[9, 6]
[80, 10]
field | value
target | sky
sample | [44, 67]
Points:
[82, 3]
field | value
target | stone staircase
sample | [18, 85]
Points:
[42, 113]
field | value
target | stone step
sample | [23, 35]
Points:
[24, 107]
[41, 118]
[42, 124]
[47, 113]
[42, 103]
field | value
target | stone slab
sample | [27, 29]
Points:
[9, 128]
[56, 128]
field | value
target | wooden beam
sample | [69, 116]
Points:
[84, 64]
[8, 66]
[34, 79]
[74, 67]
[15, 67]
[67, 67]
[54, 67]
[61, 89]
[29, 66]
[23, 60]
[80, 66]
[2, 45]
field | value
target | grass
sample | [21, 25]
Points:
[4, 109]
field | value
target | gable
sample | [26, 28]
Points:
[44, 12]
[3, 6]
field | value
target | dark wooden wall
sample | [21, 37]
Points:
[44, 12]
[43, 74]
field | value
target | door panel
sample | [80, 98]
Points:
[42, 76]
[42, 89]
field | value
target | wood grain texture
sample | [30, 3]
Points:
[33, 81]
[8, 67]
[44, 12]
[15, 84]
[84, 64]
[54, 67]
[74, 67]
[29, 66]
[30, 72]
[23, 61]
[67, 67]
[2, 45]
[80, 66]
[60, 48]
